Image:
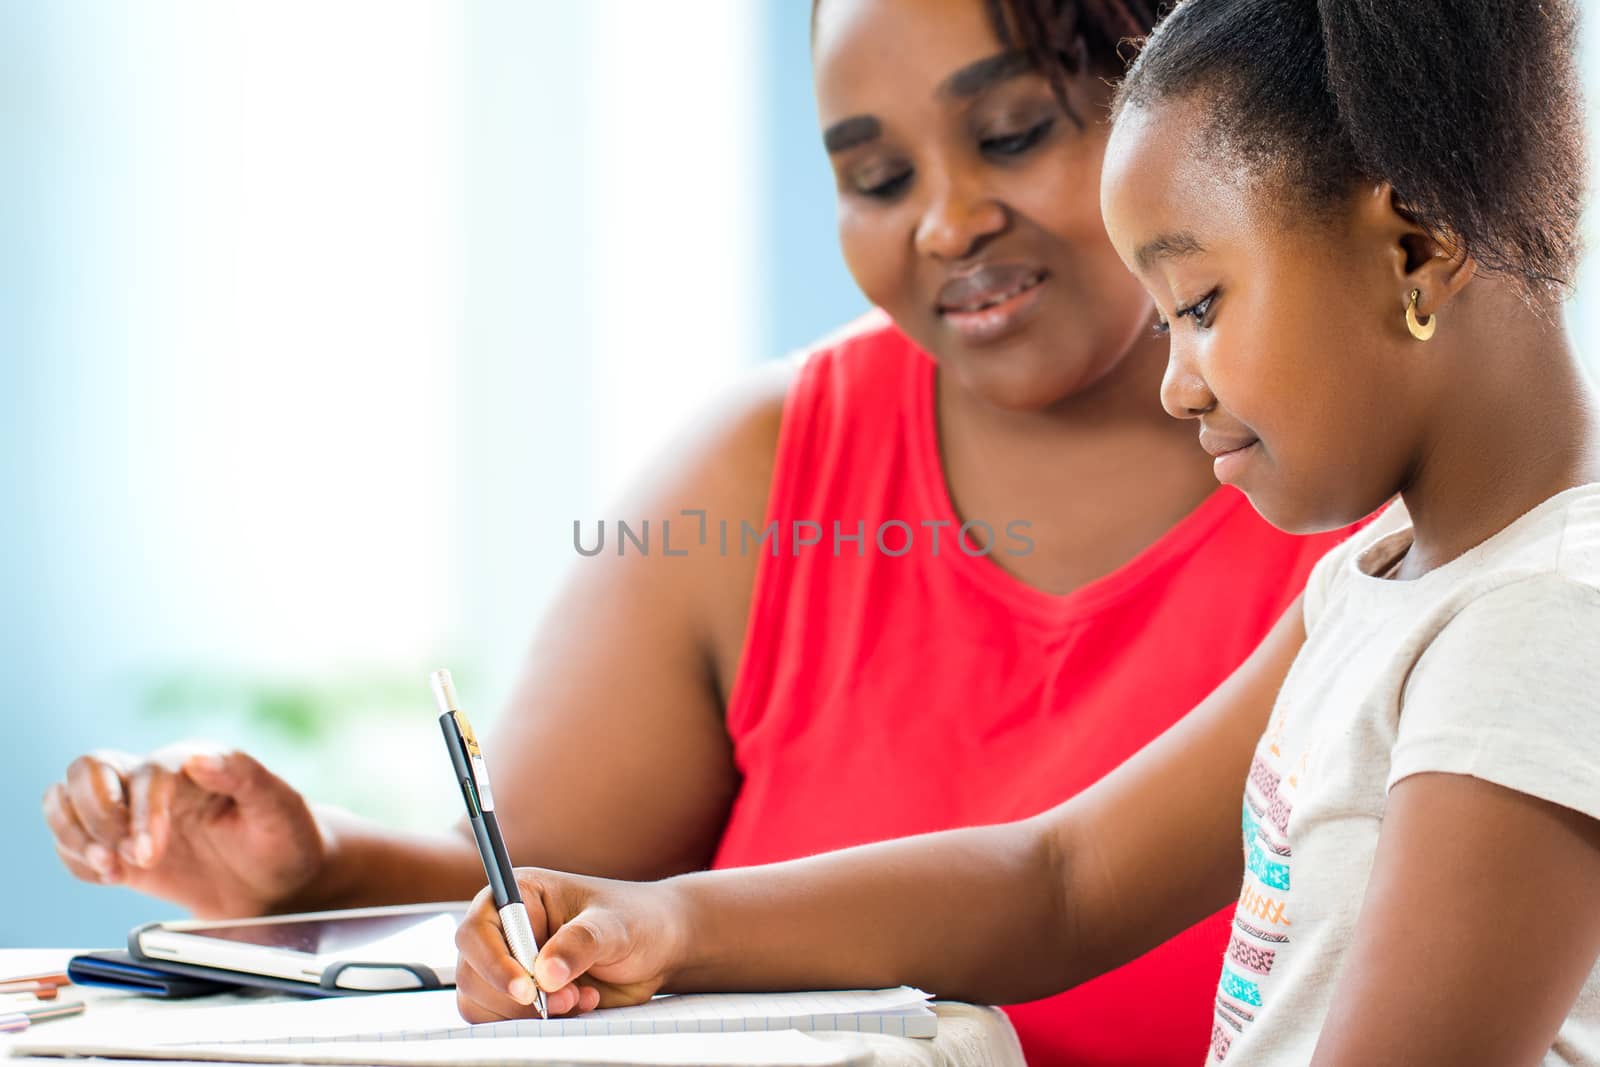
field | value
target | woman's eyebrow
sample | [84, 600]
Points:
[847, 133]
[964, 84]
[974, 78]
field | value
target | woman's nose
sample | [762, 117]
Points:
[1184, 392]
[958, 221]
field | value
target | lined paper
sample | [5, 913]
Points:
[432, 1016]
[781, 1049]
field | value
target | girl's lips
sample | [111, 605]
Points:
[1229, 465]
[993, 307]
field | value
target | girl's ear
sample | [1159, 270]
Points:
[1420, 259]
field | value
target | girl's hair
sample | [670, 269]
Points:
[1470, 109]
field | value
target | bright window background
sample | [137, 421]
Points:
[320, 323]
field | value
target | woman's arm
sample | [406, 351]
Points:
[995, 914]
[612, 759]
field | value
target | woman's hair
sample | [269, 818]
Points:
[1049, 32]
[1059, 36]
[1470, 109]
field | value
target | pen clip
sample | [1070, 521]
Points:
[444, 694]
[477, 766]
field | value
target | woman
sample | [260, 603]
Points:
[1357, 220]
[749, 706]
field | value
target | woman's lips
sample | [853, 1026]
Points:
[989, 302]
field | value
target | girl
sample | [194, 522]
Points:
[1355, 219]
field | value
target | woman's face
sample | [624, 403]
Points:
[1288, 338]
[969, 201]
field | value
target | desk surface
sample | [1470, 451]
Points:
[969, 1036]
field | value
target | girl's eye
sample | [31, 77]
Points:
[886, 188]
[1199, 311]
[1017, 143]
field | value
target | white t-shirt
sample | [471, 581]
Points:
[1488, 666]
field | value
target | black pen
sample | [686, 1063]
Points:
[473, 775]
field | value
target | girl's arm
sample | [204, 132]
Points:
[996, 914]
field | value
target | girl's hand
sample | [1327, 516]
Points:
[603, 944]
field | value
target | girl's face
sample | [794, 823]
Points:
[1288, 338]
[968, 200]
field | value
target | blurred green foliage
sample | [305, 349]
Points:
[343, 738]
[297, 711]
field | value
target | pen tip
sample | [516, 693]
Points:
[444, 691]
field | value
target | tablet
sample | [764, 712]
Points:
[411, 946]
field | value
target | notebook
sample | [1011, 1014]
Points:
[433, 1016]
[786, 1048]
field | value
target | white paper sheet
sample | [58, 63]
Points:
[431, 1016]
[788, 1048]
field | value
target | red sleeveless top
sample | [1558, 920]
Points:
[889, 688]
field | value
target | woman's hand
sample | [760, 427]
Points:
[604, 944]
[213, 831]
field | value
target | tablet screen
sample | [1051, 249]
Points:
[418, 936]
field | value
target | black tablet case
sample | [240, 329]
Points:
[167, 978]
[116, 969]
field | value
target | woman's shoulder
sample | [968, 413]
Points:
[859, 361]
[865, 388]
[735, 444]
[870, 336]
[868, 358]
[750, 451]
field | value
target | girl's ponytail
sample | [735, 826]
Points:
[1471, 109]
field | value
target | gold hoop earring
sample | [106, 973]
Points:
[1421, 330]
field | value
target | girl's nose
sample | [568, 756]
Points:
[1184, 392]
